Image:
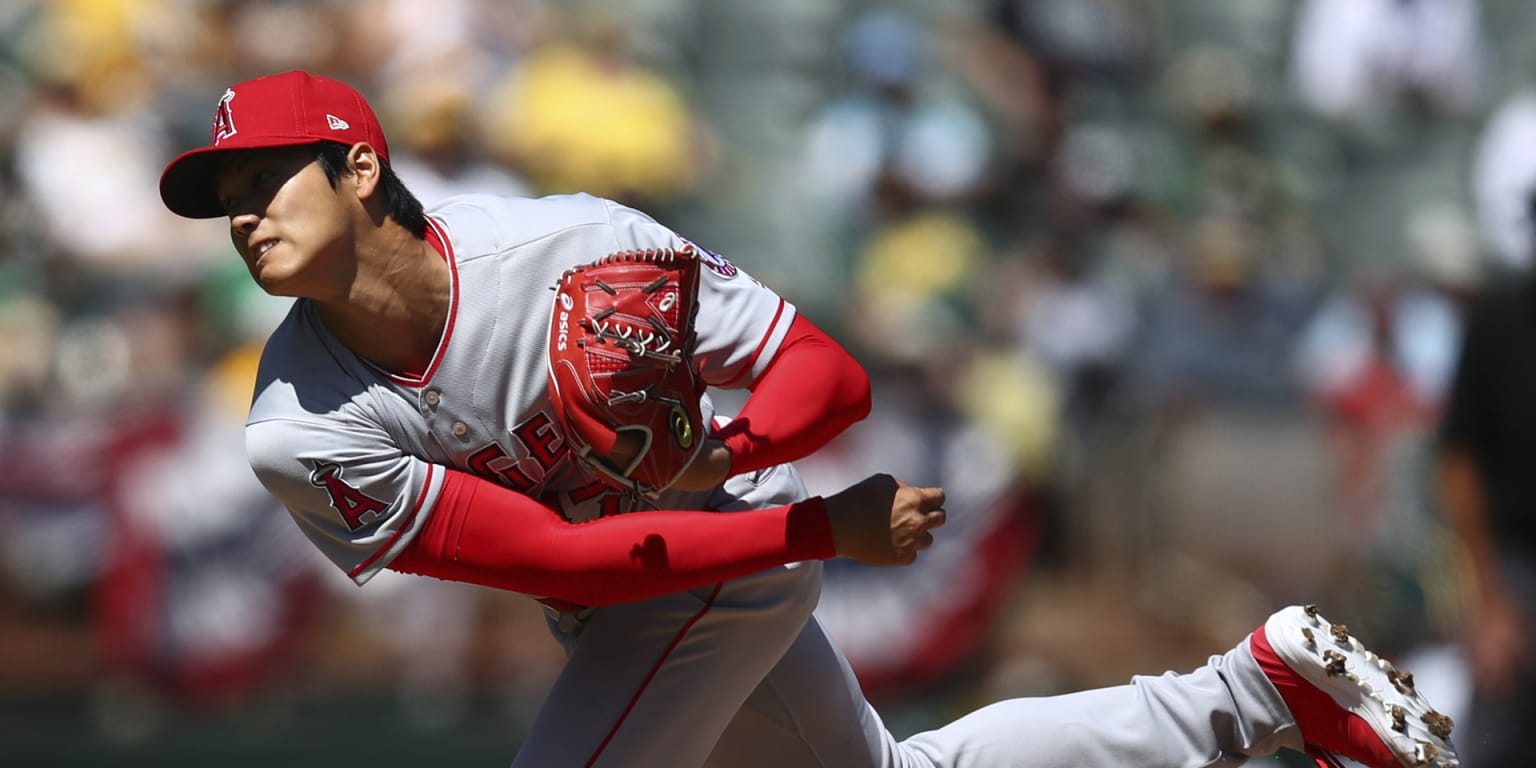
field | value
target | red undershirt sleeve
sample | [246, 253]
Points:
[811, 391]
[482, 533]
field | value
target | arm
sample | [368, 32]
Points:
[1503, 641]
[1461, 496]
[485, 534]
[810, 392]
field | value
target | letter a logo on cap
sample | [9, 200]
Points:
[336, 123]
[224, 118]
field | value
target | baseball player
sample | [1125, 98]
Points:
[429, 405]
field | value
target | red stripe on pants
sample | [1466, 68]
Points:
[652, 675]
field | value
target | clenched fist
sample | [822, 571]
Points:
[883, 521]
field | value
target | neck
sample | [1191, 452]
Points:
[396, 307]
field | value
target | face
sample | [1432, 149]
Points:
[288, 224]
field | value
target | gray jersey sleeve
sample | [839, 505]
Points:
[356, 497]
[317, 438]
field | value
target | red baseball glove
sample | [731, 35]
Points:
[621, 373]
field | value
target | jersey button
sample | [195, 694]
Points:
[433, 397]
[459, 428]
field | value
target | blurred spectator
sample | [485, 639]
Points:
[1221, 332]
[30, 327]
[1009, 83]
[277, 35]
[583, 114]
[1377, 357]
[82, 158]
[440, 150]
[467, 45]
[1065, 312]
[1392, 85]
[1354, 61]
[916, 280]
[1078, 45]
[1504, 179]
[197, 591]
[899, 137]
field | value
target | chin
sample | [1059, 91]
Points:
[273, 283]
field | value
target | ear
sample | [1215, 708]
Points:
[366, 167]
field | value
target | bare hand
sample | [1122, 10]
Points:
[883, 521]
[709, 469]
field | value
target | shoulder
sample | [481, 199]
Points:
[314, 402]
[303, 375]
[488, 224]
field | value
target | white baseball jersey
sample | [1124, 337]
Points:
[708, 676]
[357, 454]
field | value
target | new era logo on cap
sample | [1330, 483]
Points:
[290, 109]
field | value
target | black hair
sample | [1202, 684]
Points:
[404, 208]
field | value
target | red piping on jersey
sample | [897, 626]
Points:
[635, 699]
[761, 345]
[406, 526]
[439, 240]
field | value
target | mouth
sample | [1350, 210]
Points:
[260, 249]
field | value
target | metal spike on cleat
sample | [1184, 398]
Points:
[1340, 633]
[1333, 661]
[1424, 754]
[1438, 724]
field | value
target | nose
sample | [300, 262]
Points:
[244, 224]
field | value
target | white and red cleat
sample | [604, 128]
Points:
[1346, 700]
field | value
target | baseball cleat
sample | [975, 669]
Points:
[1346, 700]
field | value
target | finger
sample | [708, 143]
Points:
[924, 540]
[931, 498]
[936, 518]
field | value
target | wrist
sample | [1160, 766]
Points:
[809, 526]
[722, 457]
[710, 468]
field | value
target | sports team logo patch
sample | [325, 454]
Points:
[224, 118]
[356, 508]
[717, 264]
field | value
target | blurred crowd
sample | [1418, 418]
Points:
[1167, 293]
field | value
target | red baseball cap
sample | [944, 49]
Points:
[290, 109]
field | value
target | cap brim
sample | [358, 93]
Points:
[187, 185]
